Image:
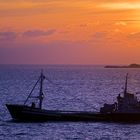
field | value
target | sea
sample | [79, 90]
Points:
[71, 88]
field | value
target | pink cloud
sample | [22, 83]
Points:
[38, 33]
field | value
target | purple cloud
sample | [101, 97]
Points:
[8, 36]
[83, 25]
[38, 33]
[99, 35]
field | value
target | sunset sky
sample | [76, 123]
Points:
[69, 32]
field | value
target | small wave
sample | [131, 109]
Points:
[20, 134]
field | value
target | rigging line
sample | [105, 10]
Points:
[53, 83]
[59, 88]
[31, 91]
[50, 81]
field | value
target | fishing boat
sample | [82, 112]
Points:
[125, 109]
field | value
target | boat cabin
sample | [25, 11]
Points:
[126, 103]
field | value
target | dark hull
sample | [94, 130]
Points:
[25, 113]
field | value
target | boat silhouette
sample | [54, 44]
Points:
[125, 109]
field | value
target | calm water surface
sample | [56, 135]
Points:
[78, 88]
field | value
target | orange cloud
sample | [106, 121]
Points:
[103, 26]
[122, 5]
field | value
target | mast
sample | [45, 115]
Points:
[125, 89]
[40, 96]
[42, 77]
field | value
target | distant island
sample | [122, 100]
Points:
[127, 66]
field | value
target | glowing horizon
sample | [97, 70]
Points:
[69, 32]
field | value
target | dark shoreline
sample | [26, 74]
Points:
[125, 66]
